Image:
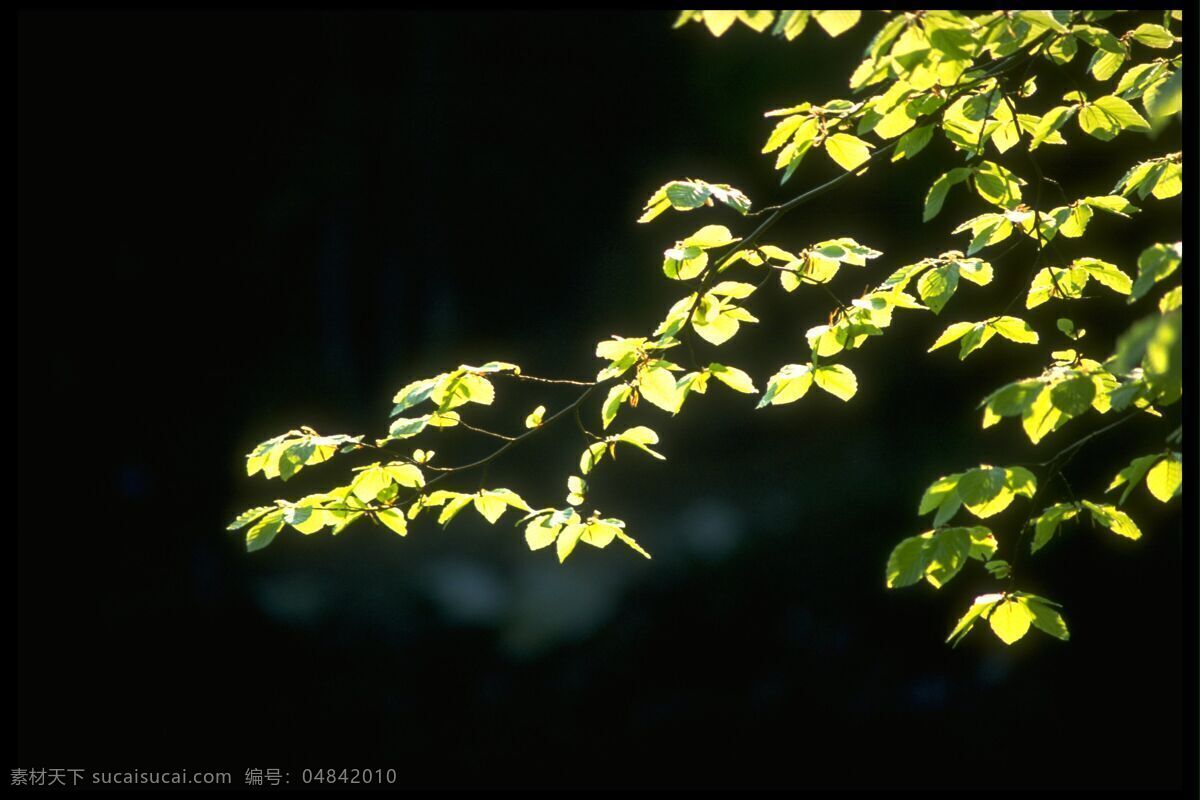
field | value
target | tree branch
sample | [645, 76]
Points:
[993, 69]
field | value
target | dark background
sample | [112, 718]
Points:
[234, 224]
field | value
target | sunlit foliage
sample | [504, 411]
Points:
[972, 80]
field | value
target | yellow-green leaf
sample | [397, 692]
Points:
[837, 379]
[1010, 621]
[848, 151]
[733, 377]
[394, 519]
[1165, 479]
[838, 22]
[534, 420]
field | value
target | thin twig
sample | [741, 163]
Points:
[1054, 466]
[563, 381]
[484, 431]
[517, 440]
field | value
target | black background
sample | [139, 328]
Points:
[234, 224]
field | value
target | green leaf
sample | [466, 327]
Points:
[906, 565]
[1105, 63]
[567, 539]
[394, 519]
[692, 382]
[1132, 475]
[408, 475]
[938, 285]
[1078, 217]
[534, 420]
[617, 395]
[1048, 125]
[692, 194]
[1011, 400]
[837, 379]
[998, 569]
[1067, 284]
[1044, 617]
[732, 377]
[718, 22]
[979, 608]
[370, 482]
[1165, 97]
[1010, 620]
[983, 543]
[997, 185]
[1162, 177]
[1068, 329]
[936, 556]
[285, 455]
[785, 129]
[305, 517]
[492, 503]
[1041, 416]
[985, 491]
[1015, 330]
[413, 394]
[1062, 50]
[598, 534]
[791, 24]
[405, 428]
[1137, 79]
[938, 492]
[542, 532]
[1073, 396]
[1153, 35]
[936, 196]
[657, 385]
[988, 229]
[1114, 519]
[979, 335]
[264, 532]
[735, 289]
[1047, 523]
[248, 516]
[788, 385]
[640, 437]
[836, 23]
[688, 258]
[1105, 273]
[619, 347]
[576, 490]
[1165, 479]
[1107, 116]
[952, 334]
[848, 151]
[710, 236]
[566, 528]
[591, 456]
[461, 387]
[1155, 264]
[631, 542]
[454, 502]
[1021, 481]
[757, 21]
[913, 142]
[717, 320]
[1043, 20]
